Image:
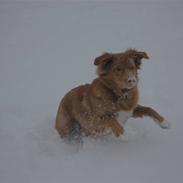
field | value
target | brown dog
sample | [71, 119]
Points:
[94, 107]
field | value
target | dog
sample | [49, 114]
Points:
[94, 107]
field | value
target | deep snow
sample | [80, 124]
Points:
[47, 48]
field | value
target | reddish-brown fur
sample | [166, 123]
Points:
[94, 106]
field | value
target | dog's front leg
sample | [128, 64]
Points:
[112, 122]
[141, 111]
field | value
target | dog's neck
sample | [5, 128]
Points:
[117, 94]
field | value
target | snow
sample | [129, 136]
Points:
[47, 48]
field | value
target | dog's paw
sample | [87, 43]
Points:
[123, 137]
[165, 124]
[117, 129]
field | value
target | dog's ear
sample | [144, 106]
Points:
[103, 62]
[103, 59]
[137, 56]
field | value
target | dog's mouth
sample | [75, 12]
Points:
[128, 88]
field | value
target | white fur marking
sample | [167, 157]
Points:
[165, 124]
[124, 116]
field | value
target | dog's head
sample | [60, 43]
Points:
[120, 69]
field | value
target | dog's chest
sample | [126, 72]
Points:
[125, 102]
[123, 116]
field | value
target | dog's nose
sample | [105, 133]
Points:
[132, 80]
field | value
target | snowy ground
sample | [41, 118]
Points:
[46, 48]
